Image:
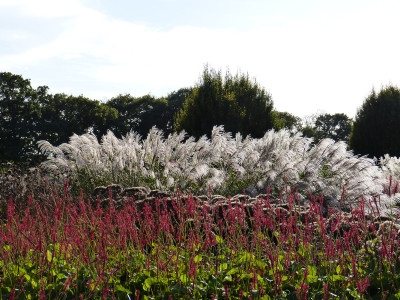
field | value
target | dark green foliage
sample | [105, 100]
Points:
[336, 127]
[234, 101]
[138, 114]
[175, 101]
[286, 120]
[142, 113]
[63, 115]
[19, 115]
[28, 115]
[376, 129]
[333, 126]
[308, 131]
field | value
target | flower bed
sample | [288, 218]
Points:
[187, 247]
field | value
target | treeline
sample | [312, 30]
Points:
[28, 115]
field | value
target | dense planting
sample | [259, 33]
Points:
[227, 164]
[323, 227]
[185, 248]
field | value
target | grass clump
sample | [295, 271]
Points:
[227, 164]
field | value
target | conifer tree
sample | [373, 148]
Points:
[376, 129]
[235, 102]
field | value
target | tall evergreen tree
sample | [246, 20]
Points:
[234, 101]
[376, 128]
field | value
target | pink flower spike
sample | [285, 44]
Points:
[326, 297]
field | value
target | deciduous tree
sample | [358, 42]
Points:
[19, 116]
[286, 120]
[139, 114]
[63, 115]
[334, 126]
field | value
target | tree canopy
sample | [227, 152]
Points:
[28, 115]
[63, 115]
[376, 128]
[138, 114]
[286, 120]
[19, 115]
[175, 102]
[236, 102]
[333, 126]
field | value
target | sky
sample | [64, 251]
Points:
[312, 56]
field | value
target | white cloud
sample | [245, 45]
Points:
[46, 8]
[328, 62]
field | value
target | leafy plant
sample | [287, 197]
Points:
[189, 252]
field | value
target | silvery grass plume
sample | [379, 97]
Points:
[326, 168]
[227, 164]
[390, 167]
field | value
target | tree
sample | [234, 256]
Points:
[376, 128]
[19, 116]
[320, 126]
[175, 102]
[63, 115]
[28, 115]
[139, 114]
[235, 102]
[336, 127]
[287, 121]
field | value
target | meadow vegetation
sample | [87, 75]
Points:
[58, 242]
[228, 165]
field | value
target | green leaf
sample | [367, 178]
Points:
[184, 278]
[198, 258]
[337, 277]
[249, 276]
[223, 267]
[312, 274]
[219, 239]
[147, 283]
[34, 284]
[260, 264]
[246, 257]
[338, 270]
[49, 256]
[120, 288]
[271, 272]
[233, 271]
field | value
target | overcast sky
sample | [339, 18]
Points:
[310, 55]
